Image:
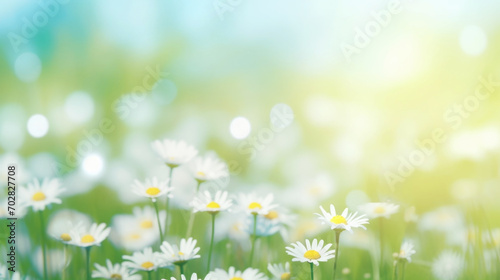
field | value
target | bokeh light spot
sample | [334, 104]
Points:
[38, 125]
[28, 67]
[473, 40]
[79, 107]
[93, 164]
[240, 127]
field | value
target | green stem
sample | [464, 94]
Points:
[149, 275]
[381, 240]
[87, 249]
[211, 242]
[44, 245]
[65, 261]
[191, 216]
[181, 267]
[167, 202]
[403, 270]
[395, 270]
[254, 238]
[312, 271]
[337, 245]
[155, 203]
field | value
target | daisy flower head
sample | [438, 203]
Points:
[256, 205]
[180, 254]
[233, 274]
[145, 260]
[280, 271]
[313, 252]
[40, 194]
[85, 237]
[448, 266]
[379, 209]
[406, 251]
[208, 169]
[63, 221]
[213, 205]
[345, 221]
[174, 153]
[194, 276]
[152, 188]
[113, 272]
[265, 227]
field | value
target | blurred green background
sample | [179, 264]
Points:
[367, 85]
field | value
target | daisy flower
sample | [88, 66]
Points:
[194, 276]
[256, 205]
[63, 221]
[208, 169]
[233, 274]
[345, 221]
[205, 203]
[379, 209]
[147, 260]
[279, 271]
[179, 255]
[86, 237]
[40, 194]
[448, 266]
[152, 188]
[174, 153]
[406, 251]
[113, 272]
[264, 227]
[313, 252]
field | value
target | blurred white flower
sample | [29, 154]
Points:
[448, 266]
[233, 274]
[379, 209]
[406, 251]
[345, 221]
[205, 203]
[313, 252]
[64, 221]
[208, 168]
[445, 219]
[86, 237]
[280, 271]
[174, 153]
[40, 194]
[138, 231]
[114, 271]
[265, 227]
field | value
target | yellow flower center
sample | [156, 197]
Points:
[379, 210]
[65, 237]
[236, 278]
[213, 205]
[181, 254]
[87, 238]
[38, 196]
[201, 174]
[115, 276]
[286, 276]
[147, 265]
[312, 255]
[146, 224]
[134, 236]
[402, 252]
[254, 205]
[153, 191]
[272, 215]
[339, 219]
[315, 190]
